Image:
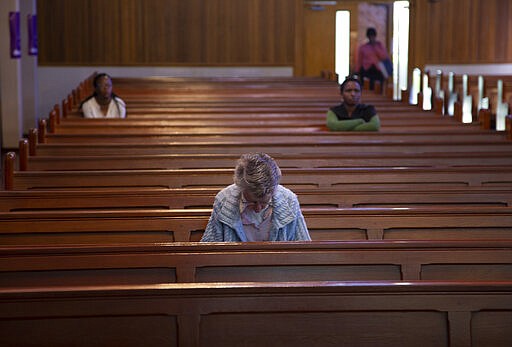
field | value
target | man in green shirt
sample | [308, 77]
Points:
[350, 115]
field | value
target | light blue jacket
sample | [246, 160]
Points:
[225, 224]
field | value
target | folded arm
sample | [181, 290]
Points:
[372, 125]
[358, 124]
[333, 123]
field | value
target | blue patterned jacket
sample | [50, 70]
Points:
[225, 224]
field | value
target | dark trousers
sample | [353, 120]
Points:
[373, 74]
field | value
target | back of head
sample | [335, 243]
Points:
[257, 173]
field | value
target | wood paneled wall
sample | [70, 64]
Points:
[251, 33]
[167, 32]
[461, 32]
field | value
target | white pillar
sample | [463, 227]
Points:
[29, 89]
[11, 110]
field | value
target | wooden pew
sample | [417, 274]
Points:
[393, 119]
[203, 95]
[150, 225]
[292, 177]
[171, 125]
[308, 110]
[179, 198]
[147, 263]
[306, 145]
[205, 161]
[278, 313]
[469, 94]
[221, 93]
[290, 135]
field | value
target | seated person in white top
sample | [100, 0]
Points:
[103, 103]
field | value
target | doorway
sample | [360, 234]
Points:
[321, 36]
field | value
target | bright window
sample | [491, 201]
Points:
[400, 46]
[342, 63]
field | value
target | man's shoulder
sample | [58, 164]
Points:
[366, 107]
[338, 109]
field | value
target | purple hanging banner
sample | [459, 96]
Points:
[14, 28]
[32, 34]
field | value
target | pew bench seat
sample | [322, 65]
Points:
[392, 177]
[149, 225]
[287, 314]
[183, 198]
[153, 263]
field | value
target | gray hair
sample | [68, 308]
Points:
[257, 173]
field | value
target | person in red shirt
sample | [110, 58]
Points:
[370, 59]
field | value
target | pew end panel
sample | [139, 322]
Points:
[8, 172]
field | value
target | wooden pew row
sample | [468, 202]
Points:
[278, 313]
[280, 136]
[56, 130]
[278, 129]
[154, 108]
[178, 198]
[201, 82]
[226, 87]
[148, 263]
[191, 81]
[488, 90]
[469, 96]
[210, 161]
[141, 108]
[324, 224]
[228, 104]
[298, 135]
[271, 146]
[229, 89]
[442, 80]
[160, 116]
[292, 177]
[269, 94]
[390, 114]
[240, 96]
[243, 97]
[233, 90]
[292, 120]
[239, 83]
[135, 109]
[386, 113]
[226, 90]
[316, 105]
[230, 99]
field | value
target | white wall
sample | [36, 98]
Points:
[29, 96]
[10, 81]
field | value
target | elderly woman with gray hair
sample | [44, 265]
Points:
[256, 207]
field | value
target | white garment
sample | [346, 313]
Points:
[116, 109]
[256, 225]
